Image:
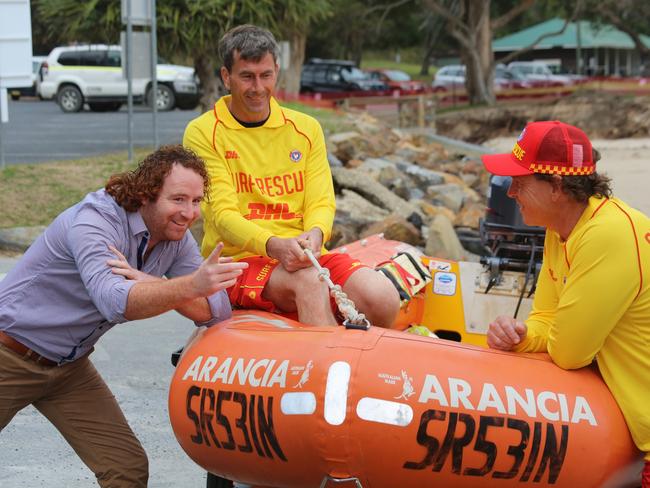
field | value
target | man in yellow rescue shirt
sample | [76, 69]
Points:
[593, 292]
[272, 194]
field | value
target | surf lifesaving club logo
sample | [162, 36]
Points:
[295, 156]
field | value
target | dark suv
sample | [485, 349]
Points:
[332, 75]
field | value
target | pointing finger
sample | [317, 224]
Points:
[213, 258]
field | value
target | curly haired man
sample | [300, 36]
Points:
[101, 263]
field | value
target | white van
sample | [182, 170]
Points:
[92, 74]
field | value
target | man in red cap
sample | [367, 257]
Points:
[593, 292]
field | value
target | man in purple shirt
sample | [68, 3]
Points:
[101, 263]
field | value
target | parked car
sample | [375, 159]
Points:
[538, 73]
[449, 78]
[74, 75]
[30, 91]
[452, 77]
[396, 79]
[332, 75]
[505, 79]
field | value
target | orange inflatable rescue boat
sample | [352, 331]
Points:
[267, 401]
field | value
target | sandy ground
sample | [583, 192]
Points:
[626, 161]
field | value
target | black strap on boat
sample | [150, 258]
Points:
[348, 324]
[417, 265]
[403, 294]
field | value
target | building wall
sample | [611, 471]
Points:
[595, 62]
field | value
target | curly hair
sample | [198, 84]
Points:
[580, 188]
[131, 188]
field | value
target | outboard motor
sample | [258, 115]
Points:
[510, 243]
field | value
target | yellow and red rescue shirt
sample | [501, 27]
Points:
[272, 180]
[593, 301]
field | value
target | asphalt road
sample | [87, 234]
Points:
[39, 131]
[134, 359]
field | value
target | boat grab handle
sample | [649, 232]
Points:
[328, 478]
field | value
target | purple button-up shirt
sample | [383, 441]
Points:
[62, 296]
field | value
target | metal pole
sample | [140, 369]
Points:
[129, 78]
[154, 75]
[578, 49]
[4, 107]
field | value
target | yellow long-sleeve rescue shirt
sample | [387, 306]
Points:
[593, 301]
[272, 180]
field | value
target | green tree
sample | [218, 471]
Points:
[472, 23]
[357, 24]
[629, 16]
[293, 20]
[186, 29]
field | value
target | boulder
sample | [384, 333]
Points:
[348, 145]
[470, 215]
[450, 195]
[442, 240]
[344, 230]
[359, 209]
[430, 210]
[395, 227]
[357, 180]
[422, 177]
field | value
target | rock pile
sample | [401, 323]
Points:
[409, 188]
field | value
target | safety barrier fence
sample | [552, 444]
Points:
[421, 101]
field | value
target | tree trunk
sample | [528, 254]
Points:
[291, 78]
[426, 61]
[477, 47]
[210, 83]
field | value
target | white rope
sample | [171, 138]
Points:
[345, 305]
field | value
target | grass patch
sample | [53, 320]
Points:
[34, 194]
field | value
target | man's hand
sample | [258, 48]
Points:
[121, 266]
[505, 333]
[289, 252]
[216, 273]
[313, 240]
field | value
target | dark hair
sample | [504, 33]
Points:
[580, 188]
[144, 183]
[250, 41]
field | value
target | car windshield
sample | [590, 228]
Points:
[353, 74]
[395, 75]
[524, 70]
[500, 72]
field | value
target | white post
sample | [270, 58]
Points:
[4, 118]
[129, 78]
[154, 75]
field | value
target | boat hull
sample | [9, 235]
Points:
[268, 401]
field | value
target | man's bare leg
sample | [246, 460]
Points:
[303, 292]
[374, 295]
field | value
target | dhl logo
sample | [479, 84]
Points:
[270, 211]
[232, 155]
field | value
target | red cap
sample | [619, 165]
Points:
[549, 147]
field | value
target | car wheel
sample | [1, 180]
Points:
[104, 106]
[165, 100]
[70, 99]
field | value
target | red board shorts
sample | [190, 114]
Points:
[247, 291]
[645, 480]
